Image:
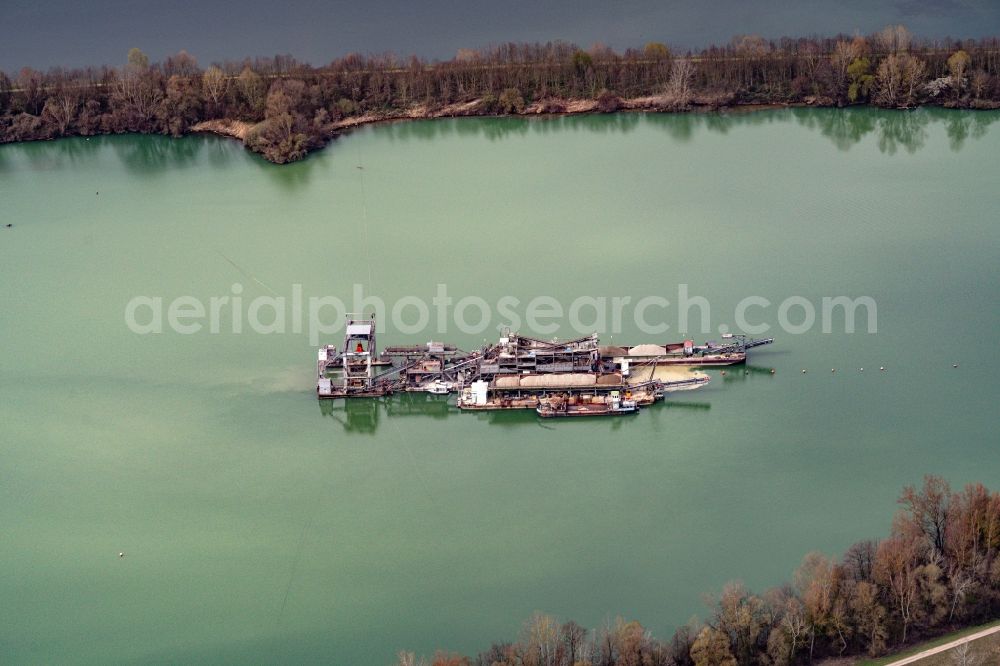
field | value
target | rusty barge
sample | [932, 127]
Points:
[732, 351]
[613, 404]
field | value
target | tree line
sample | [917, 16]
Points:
[938, 570]
[287, 108]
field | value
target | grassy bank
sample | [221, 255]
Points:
[982, 648]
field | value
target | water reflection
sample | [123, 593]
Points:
[960, 126]
[152, 155]
[894, 130]
[510, 419]
[741, 373]
[682, 405]
[418, 404]
[363, 415]
[354, 416]
[502, 128]
[905, 129]
[291, 177]
[844, 127]
[49, 155]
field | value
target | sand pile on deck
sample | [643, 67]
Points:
[664, 373]
[647, 350]
[558, 381]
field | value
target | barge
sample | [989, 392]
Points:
[534, 391]
[732, 352]
[611, 405]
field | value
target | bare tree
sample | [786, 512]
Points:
[31, 86]
[889, 81]
[137, 90]
[926, 510]
[786, 636]
[573, 639]
[893, 39]
[215, 83]
[711, 648]
[870, 616]
[743, 617]
[409, 659]
[963, 655]
[961, 583]
[541, 639]
[844, 53]
[958, 63]
[181, 64]
[980, 82]
[859, 560]
[679, 87]
[896, 570]
[914, 73]
[60, 111]
[897, 80]
[252, 89]
[810, 55]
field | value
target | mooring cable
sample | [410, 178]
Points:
[246, 273]
[413, 460]
[364, 217]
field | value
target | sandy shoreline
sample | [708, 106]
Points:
[553, 107]
[237, 129]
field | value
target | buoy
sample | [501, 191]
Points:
[747, 372]
[954, 365]
[803, 371]
[772, 371]
[121, 554]
[881, 367]
[833, 369]
[723, 373]
[862, 369]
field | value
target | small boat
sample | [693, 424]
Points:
[438, 387]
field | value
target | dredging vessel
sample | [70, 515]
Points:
[519, 371]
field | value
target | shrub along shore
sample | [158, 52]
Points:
[938, 570]
[283, 109]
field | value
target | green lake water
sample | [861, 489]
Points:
[260, 526]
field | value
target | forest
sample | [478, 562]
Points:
[938, 570]
[283, 109]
